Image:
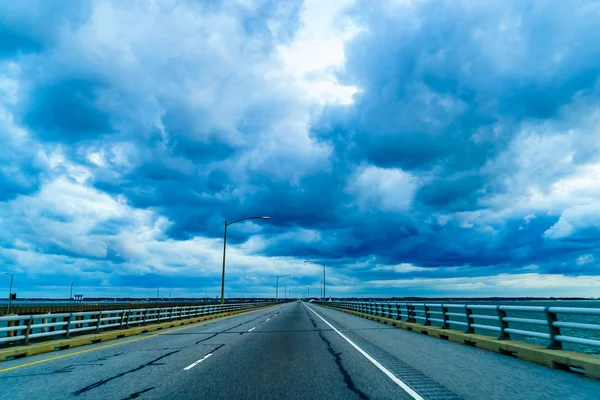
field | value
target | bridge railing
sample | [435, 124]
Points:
[502, 321]
[23, 328]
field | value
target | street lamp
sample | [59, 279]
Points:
[225, 248]
[307, 291]
[170, 290]
[319, 263]
[9, 291]
[286, 292]
[157, 294]
[71, 290]
[277, 286]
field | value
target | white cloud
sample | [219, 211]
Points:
[403, 268]
[389, 189]
[317, 51]
[585, 259]
[530, 284]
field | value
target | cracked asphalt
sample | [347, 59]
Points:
[285, 352]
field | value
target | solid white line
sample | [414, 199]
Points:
[250, 330]
[192, 365]
[383, 369]
[267, 319]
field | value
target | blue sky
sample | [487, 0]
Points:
[443, 148]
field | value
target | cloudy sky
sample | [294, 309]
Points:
[415, 147]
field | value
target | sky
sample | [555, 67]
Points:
[417, 148]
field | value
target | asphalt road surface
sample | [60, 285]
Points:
[290, 351]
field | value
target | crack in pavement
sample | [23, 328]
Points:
[151, 363]
[338, 361]
[107, 357]
[137, 394]
[72, 367]
[229, 329]
[104, 381]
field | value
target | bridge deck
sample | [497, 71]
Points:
[287, 351]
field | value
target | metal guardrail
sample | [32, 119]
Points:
[23, 328]
[480, 316]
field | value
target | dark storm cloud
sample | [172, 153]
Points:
[428, 166]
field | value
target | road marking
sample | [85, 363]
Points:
[383, 369]
[169, 330]
[250, 330]
[268, 319]
[192, 365]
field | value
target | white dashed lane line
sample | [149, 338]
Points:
[250, 330]
[192, 365]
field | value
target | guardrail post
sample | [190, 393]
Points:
[122, 322]
[427, 315]
[446, 323]
[67, 319]
[389, 310]
[503, 324]
[554, 331]
[98, 322]
[470, 320]
[78, 318]
[144, 316]
[28, 329]
[398, 312]
[10, 324]
[45, 321]
[410, 309]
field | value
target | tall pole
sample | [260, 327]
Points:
[9, 291]
[225, 249]
[323, 264]
[71, 290]
[321, 289]
[157, 293]
[223, 274]
[285, 292]
[170, 290]
[324, 295]
[277, 285]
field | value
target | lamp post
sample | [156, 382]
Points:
[170, 290]
[71, 290]
[157, 294]
[285, 291]
[318, 263]
[307, 291]
[277, 286]
[225, 249]
[9, 291]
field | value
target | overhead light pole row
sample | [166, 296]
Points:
[318, 263]
[226, 224]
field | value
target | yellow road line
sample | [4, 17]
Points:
[169, 330]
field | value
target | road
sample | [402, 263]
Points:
[289, 351]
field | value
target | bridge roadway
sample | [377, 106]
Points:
[289, 351]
